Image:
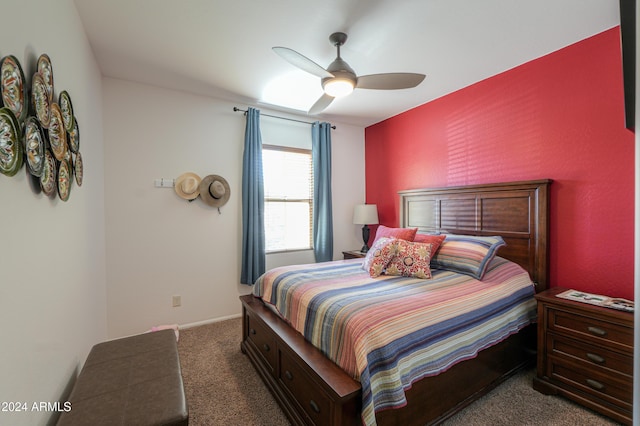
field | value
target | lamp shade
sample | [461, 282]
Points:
[365, 214]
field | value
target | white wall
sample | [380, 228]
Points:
[52, 253]
[159, 245]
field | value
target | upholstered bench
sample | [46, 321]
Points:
[131, 381]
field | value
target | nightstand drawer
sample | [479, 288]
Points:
[606, 387]
[585, 353]
[581, 327]
[596, 357]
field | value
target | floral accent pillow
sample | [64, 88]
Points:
[379, 255]
[467, 254]
[411, 260]
[400, 233]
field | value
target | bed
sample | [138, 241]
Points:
[310, 386]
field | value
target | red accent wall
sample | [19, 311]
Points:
[561, 117]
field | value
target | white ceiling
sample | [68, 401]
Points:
[222, 48]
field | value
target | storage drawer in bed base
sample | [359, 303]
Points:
[309, 388]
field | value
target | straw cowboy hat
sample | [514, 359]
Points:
[187, 186]
[214, 190]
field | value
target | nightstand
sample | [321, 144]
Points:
[585, 353]
[353, 254]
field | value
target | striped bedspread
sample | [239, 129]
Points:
[388, 332]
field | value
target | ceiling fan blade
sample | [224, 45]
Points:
[302, 62]
[324, 101]
[390, 81]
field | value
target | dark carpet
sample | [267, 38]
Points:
[223, 389]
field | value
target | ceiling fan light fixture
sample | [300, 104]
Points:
[338, 87]
[339, 79]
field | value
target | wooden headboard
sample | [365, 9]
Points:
[517, 211]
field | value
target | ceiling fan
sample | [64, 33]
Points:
[339, 79]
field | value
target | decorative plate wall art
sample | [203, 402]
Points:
[66, 108]
[35, 145]
[74, 137]
[48, 177]
[57, 133]
[10, 143]
[40, 99]
[39, 128]
[14, 87]
[78, 168]
[46, 71]
[64, 180]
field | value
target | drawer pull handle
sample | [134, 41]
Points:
[266, 347]
[595, 358]
[288, 375]
[597, 331]
[314, 406]
[252, 331]
[595, 384]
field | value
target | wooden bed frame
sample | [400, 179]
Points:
[311, 389]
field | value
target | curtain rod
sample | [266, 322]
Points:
[281, 118]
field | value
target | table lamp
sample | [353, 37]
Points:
[365, 214]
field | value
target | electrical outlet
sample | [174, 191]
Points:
[177, 301]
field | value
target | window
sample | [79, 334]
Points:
[288, 198]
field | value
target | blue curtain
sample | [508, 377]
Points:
[322, 210]
[253, 240]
